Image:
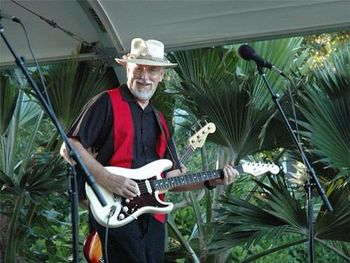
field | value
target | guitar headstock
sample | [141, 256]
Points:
[260, 168]
[197, 140]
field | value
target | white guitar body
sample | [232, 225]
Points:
[120, 211]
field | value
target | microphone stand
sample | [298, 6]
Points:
[312, 182]
[72, 151]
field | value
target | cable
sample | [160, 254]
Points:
[111, 212]
[290, 95]
[54, 24]
[38, 67]
[106, 243]
[294, 112]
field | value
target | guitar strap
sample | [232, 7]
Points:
[157, 113]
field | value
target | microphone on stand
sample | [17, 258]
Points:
[7, 16]
[248, 53]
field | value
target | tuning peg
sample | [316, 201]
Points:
[204, 118]
[194, 127]
[199, 124]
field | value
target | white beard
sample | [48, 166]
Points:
[142, 95]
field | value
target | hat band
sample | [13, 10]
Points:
[148, 57]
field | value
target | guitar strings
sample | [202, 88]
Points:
[175, 181]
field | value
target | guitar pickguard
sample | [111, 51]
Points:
[145, 199]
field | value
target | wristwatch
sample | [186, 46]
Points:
[208, 186]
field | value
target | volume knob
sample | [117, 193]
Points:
[121, 216]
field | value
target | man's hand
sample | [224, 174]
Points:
[122, 186]
[230, 175]
[65, 154]
[177, 172]
[117, 184]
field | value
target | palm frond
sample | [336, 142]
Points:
[44, 175]
[72, 84]
[276, 212]
[8, 98]
[327, 112]
[214, 83]
[335, 225]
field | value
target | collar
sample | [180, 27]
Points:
[126, 94]
[129, 97]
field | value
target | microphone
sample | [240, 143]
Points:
[248, 53]
[6, 16]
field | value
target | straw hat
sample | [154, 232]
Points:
[149, 52]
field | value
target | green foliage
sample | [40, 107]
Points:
[22, 193]
[53, 243]
[226, 90]
[241, 222]
[248, 125]
[325, 105]
[278, 212]
[297, 253]
[336, 225]
[70, 85]
[322, 46]
[184, 219]
[31, 169]
[8, 99]
[262, 220]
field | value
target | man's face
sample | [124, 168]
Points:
[143, 80]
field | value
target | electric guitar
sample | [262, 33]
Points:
[92, 245]
[119, 211]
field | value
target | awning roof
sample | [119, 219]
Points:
[180, 24]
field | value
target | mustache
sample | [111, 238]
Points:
[144, 82]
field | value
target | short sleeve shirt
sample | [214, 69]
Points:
[94, 129]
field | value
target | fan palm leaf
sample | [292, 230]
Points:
[213, 82]
[8, 99]
[277, 211]
[72, 84]
[21, 183]
[335, 225]
[326, 108]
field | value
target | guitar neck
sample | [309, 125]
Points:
[168, 183]
[188, 152]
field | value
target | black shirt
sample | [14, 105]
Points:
[95, 130]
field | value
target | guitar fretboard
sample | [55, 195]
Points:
[188, 152]
[169, 183]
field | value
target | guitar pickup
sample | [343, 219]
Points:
[148, 186]
[138, 191]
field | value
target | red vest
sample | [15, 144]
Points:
[124, 135]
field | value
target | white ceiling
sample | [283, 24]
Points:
[180, 24]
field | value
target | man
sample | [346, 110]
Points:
[121, 128]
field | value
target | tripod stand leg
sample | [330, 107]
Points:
[74, 213]
[310, 210]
